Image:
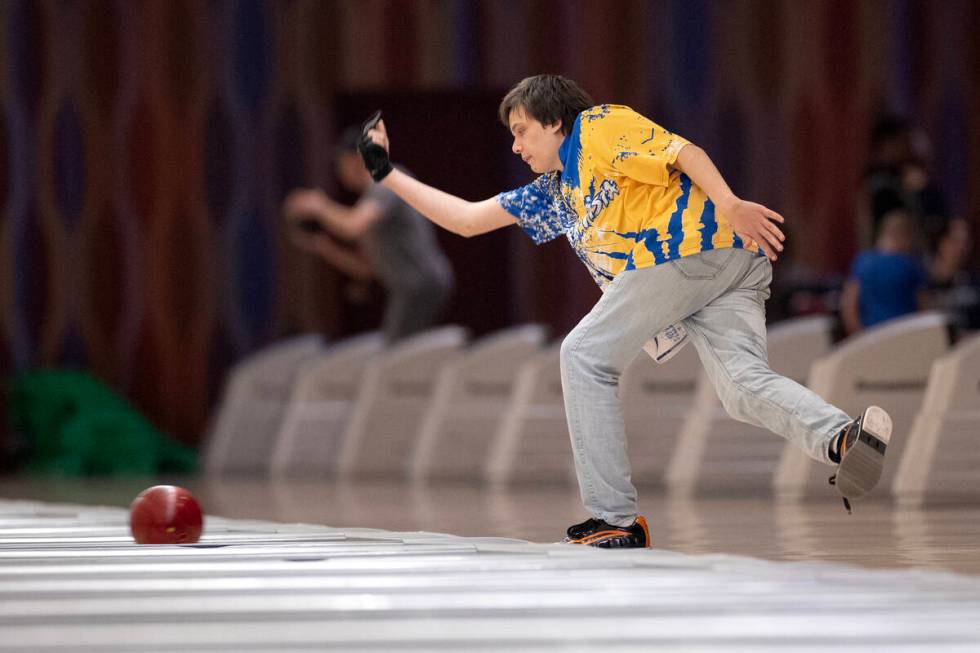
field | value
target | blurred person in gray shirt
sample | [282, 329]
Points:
[386, 240]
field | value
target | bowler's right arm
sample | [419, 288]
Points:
[448, 211]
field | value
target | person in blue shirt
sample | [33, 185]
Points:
[888, 281]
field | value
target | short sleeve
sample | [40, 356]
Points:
[387, 199]
[536, 208]
[622, 143]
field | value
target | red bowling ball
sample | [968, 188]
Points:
[165, 514]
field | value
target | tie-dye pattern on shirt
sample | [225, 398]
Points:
[619, 200]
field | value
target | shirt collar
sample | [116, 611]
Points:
[569, 149]
[563, 150]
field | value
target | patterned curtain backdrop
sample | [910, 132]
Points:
[146, 146]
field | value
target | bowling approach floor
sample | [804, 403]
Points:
[365, 567]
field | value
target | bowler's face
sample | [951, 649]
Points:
[535, 143]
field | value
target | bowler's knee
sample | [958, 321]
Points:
[583, 359]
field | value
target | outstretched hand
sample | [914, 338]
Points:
[302, 210]
[304, 204]
[373, 147]
[755, 223]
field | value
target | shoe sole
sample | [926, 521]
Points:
[860, 469]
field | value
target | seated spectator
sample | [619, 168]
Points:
[888, 281]
[950, 254]
[954, 283]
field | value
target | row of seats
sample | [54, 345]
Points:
[438, 407]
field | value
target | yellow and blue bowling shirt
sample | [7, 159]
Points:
[618, 199]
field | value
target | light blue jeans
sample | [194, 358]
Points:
[719, 295]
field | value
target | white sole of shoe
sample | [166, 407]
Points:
[862, 464]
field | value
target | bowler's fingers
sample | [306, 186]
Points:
[379, 137]
[773, 236]
[762, 240]
[772, 215]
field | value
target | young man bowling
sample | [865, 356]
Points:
[668, 241]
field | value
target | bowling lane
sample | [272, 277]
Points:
[878, 535]
[260, 585]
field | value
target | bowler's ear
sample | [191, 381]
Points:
[554, 127]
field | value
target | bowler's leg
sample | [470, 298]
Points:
[730, 336]
[635, 306]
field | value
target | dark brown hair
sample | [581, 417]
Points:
[547, 99]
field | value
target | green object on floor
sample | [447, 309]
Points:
[75, 425]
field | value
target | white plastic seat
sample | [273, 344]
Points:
[472, 395]
[887, 366]
[256, 393]
[656, 400]
[395, 392]
[532, 444]
[716, 453]
[942, 458]
[309, 440]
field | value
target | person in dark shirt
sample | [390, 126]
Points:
[898, 176]
[391, 243]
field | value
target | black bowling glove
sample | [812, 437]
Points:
[375, 157]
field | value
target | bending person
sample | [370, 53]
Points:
[663, 234]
